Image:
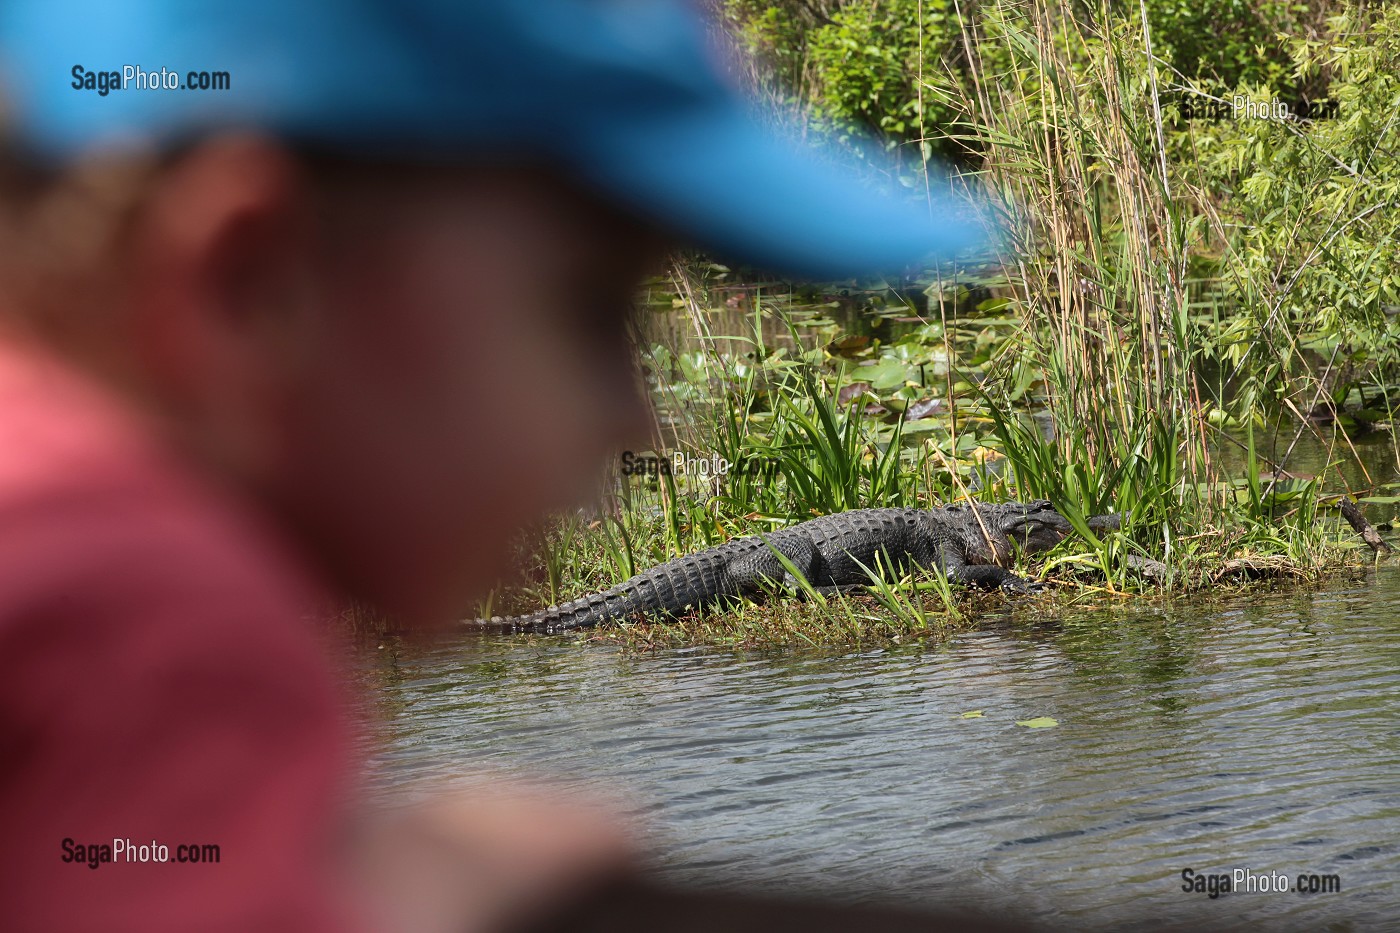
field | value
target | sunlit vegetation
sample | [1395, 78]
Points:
[1181, 305]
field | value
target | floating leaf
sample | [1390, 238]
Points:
[850, 391]
[850, 345]
[1040, 722]
[972, 714]
[886, 374]
[924, 408]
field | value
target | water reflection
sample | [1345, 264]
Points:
[1262, 733]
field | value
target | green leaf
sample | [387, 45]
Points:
[884, 375]
[972, 714]
[1040, 722]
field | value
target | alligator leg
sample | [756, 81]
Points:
[991, 577]
[1154, 570]
[761, 572]
[986, 576]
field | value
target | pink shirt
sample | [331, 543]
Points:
[160, 683]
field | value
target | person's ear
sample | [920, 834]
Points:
[221, 261]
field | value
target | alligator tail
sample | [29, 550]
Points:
[664, 589]
[585, 612]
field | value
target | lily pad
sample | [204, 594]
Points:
[1040, 722]
[972, 714]
[924, 408]
[886, 374]
[850, 345]
[851, 390]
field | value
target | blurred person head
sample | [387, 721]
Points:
[375, 275]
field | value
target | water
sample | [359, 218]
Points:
[1262, 733]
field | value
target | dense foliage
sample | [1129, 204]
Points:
[1187, 291]
[1287, 223]
[883, 70]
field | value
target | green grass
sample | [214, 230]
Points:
[907, 615]
[826, 457]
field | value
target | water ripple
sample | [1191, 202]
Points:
[1259, 735]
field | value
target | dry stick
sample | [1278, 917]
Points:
[953, 470]
[1349, 509]
[692, 306]
[1156, 102]
[1304, 423]
[1358, 521]
[923, 134]
[1355, 454]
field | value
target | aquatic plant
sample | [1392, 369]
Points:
[1146, 344]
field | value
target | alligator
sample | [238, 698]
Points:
[967, 543]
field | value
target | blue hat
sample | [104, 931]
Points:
[628, 96]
